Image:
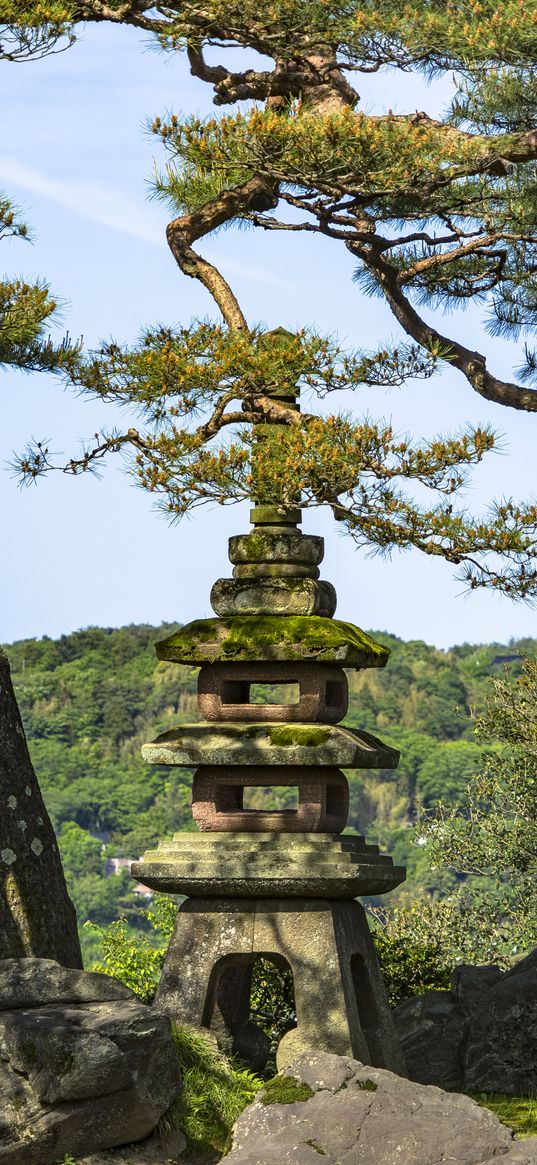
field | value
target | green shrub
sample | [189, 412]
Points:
[133, 957]
[410, 968]
[420, 942]
[272, 1002]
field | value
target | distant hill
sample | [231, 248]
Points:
[89, 700]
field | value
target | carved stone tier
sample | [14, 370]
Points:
[224, 692]
[278, 865]
[228, 743]
[218, 800]
[341, 1003]
[255, 638]
[273, 596]
[264, 548]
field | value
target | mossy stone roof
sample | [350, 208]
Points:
[252, 638]
[227, 742]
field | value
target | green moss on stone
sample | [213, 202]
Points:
[248, 638]
[307, 735]
[315, 1145]
[268, 546]
[367, 1085]
[285, 1090]
[292, 585]
[259, 544]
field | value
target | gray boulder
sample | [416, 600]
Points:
[431, 1030]
[480, 1036]
[34, 982]
[501, 1045]
[83, 1064]
[359, 1115]
[469, 984]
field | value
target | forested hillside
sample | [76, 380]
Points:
[89, 700]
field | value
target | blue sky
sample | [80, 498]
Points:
[74, 154]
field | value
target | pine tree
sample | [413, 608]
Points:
[436, 212]
[26, 311]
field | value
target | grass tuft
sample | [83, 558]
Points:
[213, 1094]
[517, 1112]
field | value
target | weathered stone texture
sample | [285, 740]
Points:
[36, 982]
[84, 1067]
[267, 865]
[224, 692]
[247, 638]
[276, 570]
[262, 547]
[273, 596]
[361, 1115]
[217, 800]
[227, 743]
[501, 1047]
[480, 1036]
[37, 916]
[431, 1030]
[340, 999]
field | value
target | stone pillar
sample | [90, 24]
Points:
[280, 883]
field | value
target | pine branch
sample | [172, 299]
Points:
[472, 364]
[183, 231]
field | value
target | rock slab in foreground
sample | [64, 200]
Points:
[359, 1115]
[83, 1064]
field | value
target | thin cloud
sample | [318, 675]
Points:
[101, 204]
[90, 200]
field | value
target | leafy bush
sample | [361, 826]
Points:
[272, 1002]
[492, 832]
[420, 942]
[409, 968]
[135, 958]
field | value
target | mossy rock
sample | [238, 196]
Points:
[252, 638]
[285, 1090]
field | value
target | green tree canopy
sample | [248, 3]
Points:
[491, 831]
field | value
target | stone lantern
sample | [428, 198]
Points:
[279, 884]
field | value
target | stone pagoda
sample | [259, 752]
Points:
[278, 884]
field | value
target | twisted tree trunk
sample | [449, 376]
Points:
[37, 917]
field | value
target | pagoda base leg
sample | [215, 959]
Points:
[341, 1002]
